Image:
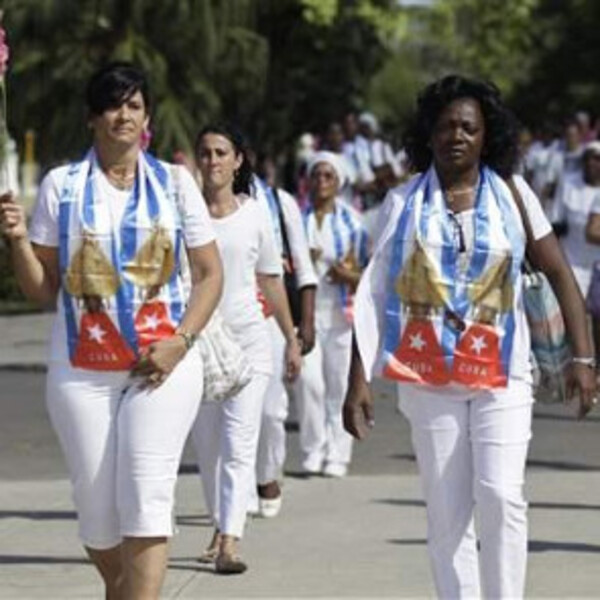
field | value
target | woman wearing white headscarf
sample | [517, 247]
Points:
[338, 246]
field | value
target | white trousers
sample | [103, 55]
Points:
[321, 389]
[471, 455]
[271, 443]
[225, 436]
[123, 446]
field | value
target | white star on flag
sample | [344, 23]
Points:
[152, 322]
[417, 342]
[96, 333]
[478, 344]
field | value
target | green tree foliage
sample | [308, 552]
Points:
[491, 39]
[564, 74]
[277, 67]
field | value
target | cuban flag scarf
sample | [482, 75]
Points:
[121, 289]
[450, 313]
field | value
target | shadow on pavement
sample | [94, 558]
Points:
[549, 546]
[194, 520]
[39, 515]
[13, 559]
[561, 465]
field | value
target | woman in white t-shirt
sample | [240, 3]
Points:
[440, 310]
[122, 388]
[226, 434]
[578, 194]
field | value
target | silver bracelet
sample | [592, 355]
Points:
[589, 361]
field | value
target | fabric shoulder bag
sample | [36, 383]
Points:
[549, 345]
[226, 368]
[290, 279]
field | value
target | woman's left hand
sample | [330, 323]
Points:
[159, 360]
[293, 359]
[581, 381]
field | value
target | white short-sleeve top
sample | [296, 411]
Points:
[44, 227]
[247, 245]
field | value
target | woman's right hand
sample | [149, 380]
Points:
[13, 223]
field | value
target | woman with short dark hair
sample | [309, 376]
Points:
[440, 311]
[124, 376]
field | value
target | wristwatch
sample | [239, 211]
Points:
[188, 337]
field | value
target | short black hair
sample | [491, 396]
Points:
[113, 84]
[243, 179]
[500, 147]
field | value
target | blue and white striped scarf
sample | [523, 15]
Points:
[348, 236]
[84, 214]
[424, 222]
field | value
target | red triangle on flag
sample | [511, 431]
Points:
[100, 346]
[152, 323]
[477, 361]
[419, 357]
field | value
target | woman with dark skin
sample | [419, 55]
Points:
[467, 390]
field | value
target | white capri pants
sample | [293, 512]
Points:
[271, 443]
[225, 436]
[321, 389]
[471, 454]
[123, 446]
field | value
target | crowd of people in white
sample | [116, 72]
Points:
[105, 245]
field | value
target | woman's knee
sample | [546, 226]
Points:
[500, 505]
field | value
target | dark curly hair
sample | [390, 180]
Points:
[500, 147]
[243, 177]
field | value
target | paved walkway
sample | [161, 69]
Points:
[361, 537]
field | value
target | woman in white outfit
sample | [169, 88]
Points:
[292, 244]
[440, 310]
[338, 246]
[576, 197]
[226, 434]
[122, 388]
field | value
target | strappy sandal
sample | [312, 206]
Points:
[209, 556]
[228, 562]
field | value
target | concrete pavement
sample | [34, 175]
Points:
[360, 537]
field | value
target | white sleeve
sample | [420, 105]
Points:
[269, 261]
[197, 226]
[43, 229]
[595, 208]
[540, 226]
[292, 217]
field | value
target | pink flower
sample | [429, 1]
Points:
[146, 138]
[4, 53]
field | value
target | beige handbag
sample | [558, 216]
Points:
[226, 367]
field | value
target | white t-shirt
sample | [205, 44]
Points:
[305, 272]
[574, 201]
[247, 245]
[372, 292]
[44, 229]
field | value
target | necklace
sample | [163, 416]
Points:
[122, 181]
[451, 195]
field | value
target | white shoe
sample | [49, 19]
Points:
[335, 470]
[269, 507]
[312, 465]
